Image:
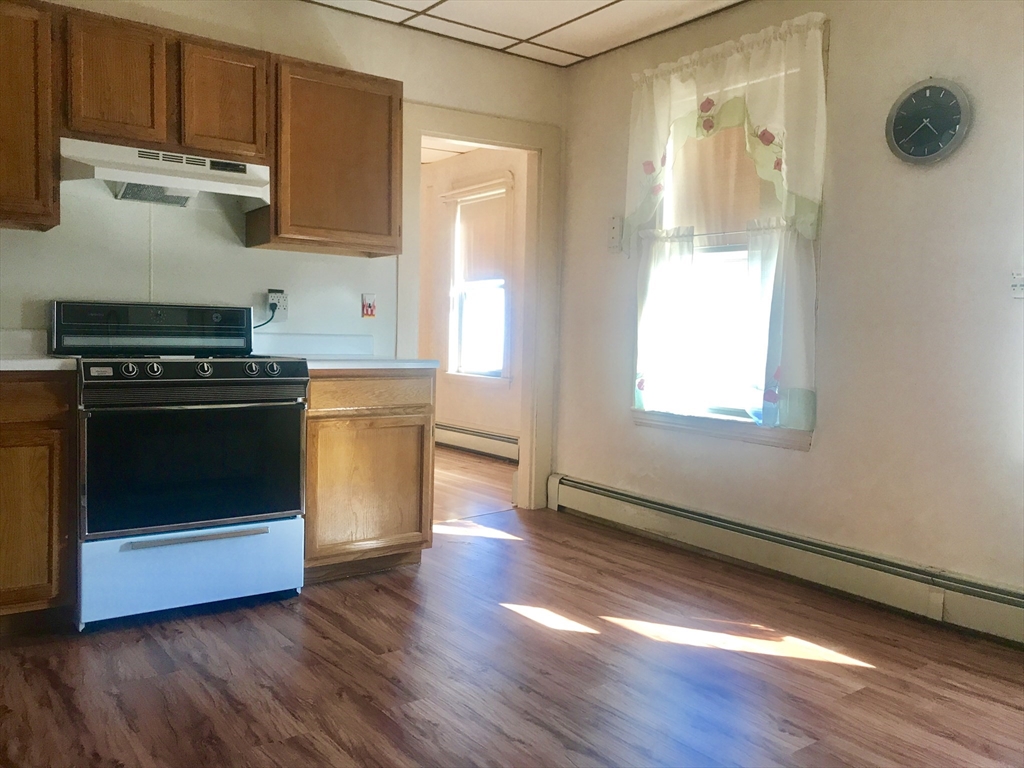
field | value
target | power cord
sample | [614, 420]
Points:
[273, 311]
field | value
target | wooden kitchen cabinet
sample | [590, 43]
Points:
[36, 435]
[369, 470]
[28, 195]
[223, 99]
[117, 78]
[338, 185]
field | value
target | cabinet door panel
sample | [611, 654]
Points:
[339, 170]
[366, 494]
[30, 502]
[224, 99]
[26, 116]
[117, 79]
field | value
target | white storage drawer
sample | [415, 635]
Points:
[139, 574]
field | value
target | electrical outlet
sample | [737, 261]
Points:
[279, 297]
[1017, 284]
[369, 305]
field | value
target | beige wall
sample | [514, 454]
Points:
[919, 450]
[120, 250]
[477, 402]
[102, 247]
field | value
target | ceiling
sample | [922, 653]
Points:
[433, 149]
[559, 32]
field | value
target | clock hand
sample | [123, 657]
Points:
[922, 125]
[928, 122]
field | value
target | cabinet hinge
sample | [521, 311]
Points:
[399, 230]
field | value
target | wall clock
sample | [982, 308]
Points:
[928, 121]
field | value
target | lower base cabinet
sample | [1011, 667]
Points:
[369, 470]
[35, 503]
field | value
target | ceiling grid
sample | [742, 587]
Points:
[559, 32]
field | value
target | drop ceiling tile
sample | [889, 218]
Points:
[516, 18]
[544, 54]
[442, 27]
[625, 22]
[414, 5]
[369, 8]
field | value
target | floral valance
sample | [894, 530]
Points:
[772, 83]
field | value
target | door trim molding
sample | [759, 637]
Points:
[541, 275]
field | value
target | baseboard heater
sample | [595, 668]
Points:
[490, 443]
[927, 592]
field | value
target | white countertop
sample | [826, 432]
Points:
[356, 363]
[26, 351]
[31, 363]
[37, 363]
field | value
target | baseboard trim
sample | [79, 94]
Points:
[492, 444]
[935, 594]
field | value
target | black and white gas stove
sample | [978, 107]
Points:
[191, 457]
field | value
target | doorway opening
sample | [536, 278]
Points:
[474, 237]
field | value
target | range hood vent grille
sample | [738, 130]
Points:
[147, 193]
[175, 174]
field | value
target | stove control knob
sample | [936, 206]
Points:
[204, 370]
[273, 368]
[252, 369]
[154, 369]
[130, 370]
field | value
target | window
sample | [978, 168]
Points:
[478, 320]
[723, 199]
[704, 331]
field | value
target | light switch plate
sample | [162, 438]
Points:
[1017, 284]
[615, 235]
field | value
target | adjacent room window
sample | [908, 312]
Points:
[725, 176]
[478, 323]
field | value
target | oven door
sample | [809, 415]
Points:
[170, 468]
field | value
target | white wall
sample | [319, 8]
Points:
[918, 454]
[120, 250]
[477, 402]
[101, 249]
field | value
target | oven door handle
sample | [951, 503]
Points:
[169, 541]
[87, 412]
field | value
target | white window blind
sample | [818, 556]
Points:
[482, 241]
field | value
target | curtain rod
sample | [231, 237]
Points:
[722, 234]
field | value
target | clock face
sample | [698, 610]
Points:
[928, 121]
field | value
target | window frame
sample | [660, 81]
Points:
[721, 425]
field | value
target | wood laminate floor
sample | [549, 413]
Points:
[647, 656]
[468, 484]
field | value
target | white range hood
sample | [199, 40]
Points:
[156, 176]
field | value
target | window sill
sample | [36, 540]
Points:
[479, 376]
[728, 428]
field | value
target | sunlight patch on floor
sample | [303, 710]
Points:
[789, 647]
[468, 528]
[549, 618]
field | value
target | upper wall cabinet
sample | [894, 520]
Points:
[223, 99]
[117, 79]
[27, 193]
[339, 163]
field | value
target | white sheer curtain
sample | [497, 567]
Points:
[663, 307]
[772, 83]
[737, 334]
[788, 264]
